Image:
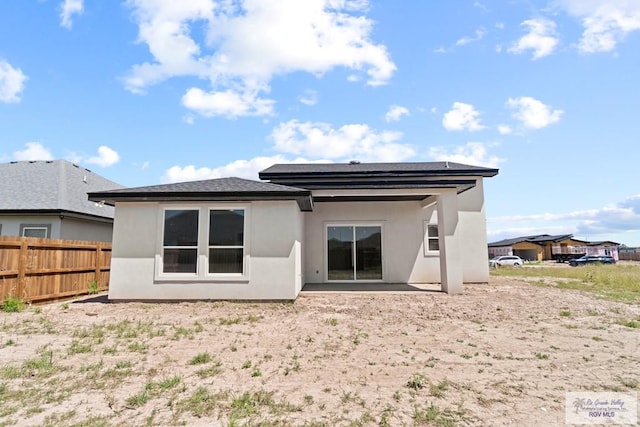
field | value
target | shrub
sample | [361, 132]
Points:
[12, 305]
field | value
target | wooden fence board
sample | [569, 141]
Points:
[40, 269]
[626, 256]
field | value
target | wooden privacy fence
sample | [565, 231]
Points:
[629, 256]
[35, 269]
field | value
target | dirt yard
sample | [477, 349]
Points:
[500, 354]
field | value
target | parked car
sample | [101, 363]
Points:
[592, 259]
[506, 260]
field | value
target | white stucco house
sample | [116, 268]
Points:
[232, 238]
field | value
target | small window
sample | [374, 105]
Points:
[431, 242]
[432, 238]
[226, 241]
[35, 230]
[180, 241]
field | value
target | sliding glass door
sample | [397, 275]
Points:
[354, 252]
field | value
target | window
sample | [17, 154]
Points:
[226, 241]
[432, 238]
[202, 243]
[431, 242]
[354, 252]
[35, 230]
[180, 241]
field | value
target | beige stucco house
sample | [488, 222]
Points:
[544, 247]
[233, 238]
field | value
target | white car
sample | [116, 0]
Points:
[506, 260]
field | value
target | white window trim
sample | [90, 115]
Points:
[202, 266]
[430, 223]
[244, 245]
[353, 224]
[45, 227]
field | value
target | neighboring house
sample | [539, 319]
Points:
[604, 248]
[543, 247]
[49, 199]
[233, 238]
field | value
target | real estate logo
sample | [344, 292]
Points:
[606, 408]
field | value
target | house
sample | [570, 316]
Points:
[49, 199]
[543, 247]
[605, 247]
[232, 238]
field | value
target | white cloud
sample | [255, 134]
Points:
[599, 223]
[11, 82]
[227, 103]
[462, 117]
[68, 8]
[533, 113]
[541, 39]
[605, 22]
[33, 151]
[306, 142]
[504, 129]
[106, 157]
[309, 97]
[353, 141]
[480, 6]
[240, 168]
[395, 113]
[248, 42]
[472, 153]
[479, 34]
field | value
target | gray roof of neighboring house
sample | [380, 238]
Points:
[538, 239]
[603, 243]
[51, 186]
[220, 189]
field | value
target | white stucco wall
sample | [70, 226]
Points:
[403, 237]
[273, 234]
[473, 223]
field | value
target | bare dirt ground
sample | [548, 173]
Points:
[500, 354]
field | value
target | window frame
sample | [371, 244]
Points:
[46, 227]
[428, 225]
[243, 246]
[354, 224]
[163, 247]
[202, 261]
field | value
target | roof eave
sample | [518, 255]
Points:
[302, 197]
[294, 176]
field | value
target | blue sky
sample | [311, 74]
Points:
[151, 91]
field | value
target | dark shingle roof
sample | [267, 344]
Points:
[538, 239]
[220, 189]
[54, 185]
[355, 175]
[356, 168]
[210, 186]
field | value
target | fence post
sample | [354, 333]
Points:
[22, 268]
[98, 263]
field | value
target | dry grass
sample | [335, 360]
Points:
[619, 282]
[500, 354]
